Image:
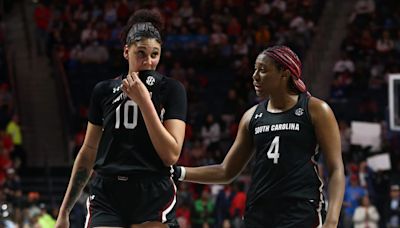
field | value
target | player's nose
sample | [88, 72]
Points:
[147, 61]
[255, 76]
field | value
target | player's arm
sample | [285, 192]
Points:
[328, 136]
[235, 161]
[167, 138]
[82, 168]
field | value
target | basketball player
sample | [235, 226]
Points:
[135, 133]
[284, 133]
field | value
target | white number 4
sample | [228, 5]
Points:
[273, 151]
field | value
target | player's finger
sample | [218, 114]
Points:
[130, 80]
[125, 83]
[124, 89]
[135, 76]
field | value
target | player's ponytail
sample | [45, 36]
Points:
[143, 23]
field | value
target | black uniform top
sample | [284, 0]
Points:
[125, 146]
[286, 150]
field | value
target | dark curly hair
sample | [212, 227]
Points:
[143, 23]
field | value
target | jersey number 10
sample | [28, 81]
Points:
[128, 125]
[273, 151]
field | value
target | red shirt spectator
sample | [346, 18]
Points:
[238, 204]
[42, 16]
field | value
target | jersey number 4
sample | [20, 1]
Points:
[129, 123]
[273, 151]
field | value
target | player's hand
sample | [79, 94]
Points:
[62, 221]
[134, 88]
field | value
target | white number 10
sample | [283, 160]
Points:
[127, 124]
[273, 151]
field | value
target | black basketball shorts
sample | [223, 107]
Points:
[119, 201]
[285, 214]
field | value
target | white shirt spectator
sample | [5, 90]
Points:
[186, 10]
[263, 8]
[365, 6]
[95, 53]
[88, 34]
[384, 45]
[279, 4]
[366, 217]
[344, 65]
[299, 24]
[211, 134]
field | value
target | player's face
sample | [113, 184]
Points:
[143, 55]
[267, 78]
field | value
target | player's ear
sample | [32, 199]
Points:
[126, 52]
[286, 73]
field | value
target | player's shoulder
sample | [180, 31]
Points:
[173, 84]
[248, 115]
[318, 107]
[109, 85]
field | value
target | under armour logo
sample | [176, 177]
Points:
[116, 89]
[299, 112]
[258, 116]
[150, 80]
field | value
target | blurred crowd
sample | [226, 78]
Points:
[15, 205]
[210, 47]
[369, 53]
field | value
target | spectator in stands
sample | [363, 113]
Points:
[14, 130]
[223, 203]
[42, 16]
[211, 133]
[5, 164]
[364, 7]
[284, 131]
[366, 215]
[238, 204]
[183, 215]
[89, 34]
[344, 64]
[385, 43]
[12, 186]
[366, 177]
[95, 53]
[366, 42]
[45, 219]
[352, 196]
[203, 213]
[394, 207]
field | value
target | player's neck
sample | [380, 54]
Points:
[281, 103]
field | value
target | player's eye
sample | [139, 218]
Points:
[260, 68]
[140, 54]
[154, 55]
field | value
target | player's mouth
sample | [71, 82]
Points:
[257, 87]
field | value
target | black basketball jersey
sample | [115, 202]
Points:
[286, 151]
[125, 146]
